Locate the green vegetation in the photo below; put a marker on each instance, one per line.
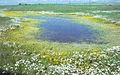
(63, 8)
(20, 52)
(110, 12)
(4, 22)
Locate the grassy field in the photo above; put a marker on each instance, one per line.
(63, 7)
(4, 22)
(110, 12)
(20, 52)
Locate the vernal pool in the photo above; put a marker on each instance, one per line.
(59, 29)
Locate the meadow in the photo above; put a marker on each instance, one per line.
(110, 12)
(21, 53)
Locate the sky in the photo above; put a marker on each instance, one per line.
(11, 2)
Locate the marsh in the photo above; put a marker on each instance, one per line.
(60, 44)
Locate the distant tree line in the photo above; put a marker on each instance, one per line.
(24, 4)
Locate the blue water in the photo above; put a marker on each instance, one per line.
(64, 30)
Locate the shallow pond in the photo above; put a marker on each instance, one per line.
(64, 30)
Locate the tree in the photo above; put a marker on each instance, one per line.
(20, 3)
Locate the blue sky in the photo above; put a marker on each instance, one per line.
(10, 2)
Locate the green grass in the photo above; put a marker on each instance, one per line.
(63, 8)
(4, 20)
(90, 9)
